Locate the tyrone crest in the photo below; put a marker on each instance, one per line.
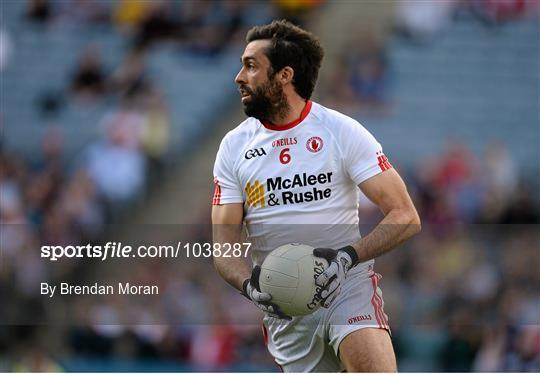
(314, 144)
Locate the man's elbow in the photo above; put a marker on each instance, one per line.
(414, 221)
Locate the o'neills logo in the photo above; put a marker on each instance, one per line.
(284, 142)
(318, 268)
(314, 144)
(355, 319)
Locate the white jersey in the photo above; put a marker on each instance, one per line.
(305, 172)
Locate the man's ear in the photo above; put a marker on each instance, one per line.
(286, 75)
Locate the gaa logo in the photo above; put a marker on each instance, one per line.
(250, 153)
(314, 144)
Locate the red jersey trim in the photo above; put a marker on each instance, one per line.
(217, 193)
(290, 125)
(265, 336)
(377, 302)
(384, 164)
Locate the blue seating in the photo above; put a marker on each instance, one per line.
(473, 83)
(196, 89)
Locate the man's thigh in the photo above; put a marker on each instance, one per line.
(368, 350)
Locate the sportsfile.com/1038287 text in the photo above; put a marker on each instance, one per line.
(119, 250)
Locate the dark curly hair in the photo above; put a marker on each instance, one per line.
(291, 46)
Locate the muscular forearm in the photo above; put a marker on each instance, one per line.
(233, 269)
(396, 227)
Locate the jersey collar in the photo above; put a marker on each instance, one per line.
(290, 125)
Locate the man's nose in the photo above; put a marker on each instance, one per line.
(240, 77)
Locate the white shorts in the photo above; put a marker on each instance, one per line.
(311, 343)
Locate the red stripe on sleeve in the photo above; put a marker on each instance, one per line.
(217, 193)
(384, 164)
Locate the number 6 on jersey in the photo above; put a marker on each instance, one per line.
(284, 156)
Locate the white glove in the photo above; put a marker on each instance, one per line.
(252, 290)
(340, 262)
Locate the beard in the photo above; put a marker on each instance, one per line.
(268, 102)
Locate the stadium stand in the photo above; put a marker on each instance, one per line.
(471, 83)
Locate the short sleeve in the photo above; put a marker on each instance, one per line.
(226, 188)
(364, 157)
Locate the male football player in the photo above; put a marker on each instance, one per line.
(295, 161)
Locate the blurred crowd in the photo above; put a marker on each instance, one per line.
(52, 197)
(459, 187)
(362, 80)
(462, 296)
(465, 299)
(465, 293)
(206, 27)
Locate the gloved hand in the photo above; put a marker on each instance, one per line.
(340, 262)
(252, 290)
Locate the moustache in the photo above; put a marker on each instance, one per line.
(245, 90)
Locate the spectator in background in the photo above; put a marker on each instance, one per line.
(361, 80)
(456, 165)
(129, 77)
(16, 233)
(458, 180)
(369, 74)
(80, 203)
(223, 22)
(11, 205)
(339, 93)
(80, 12)
(52, 152)
(213, 347)
(499, 179)
(423, 20)
(499, 170)
(459, 350)
(193, 15)
(39, 11)
(12, 175)
(490, 351)
(493, 12)
(154, 135)
(128, 14)
(125, 122)
(88, 80)
(35, 359)
(521, 208)
(296, 11)
(204, 27)
(510, 349)
(525, 355)
(115, 163)
(156, 25)
(38, 196)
